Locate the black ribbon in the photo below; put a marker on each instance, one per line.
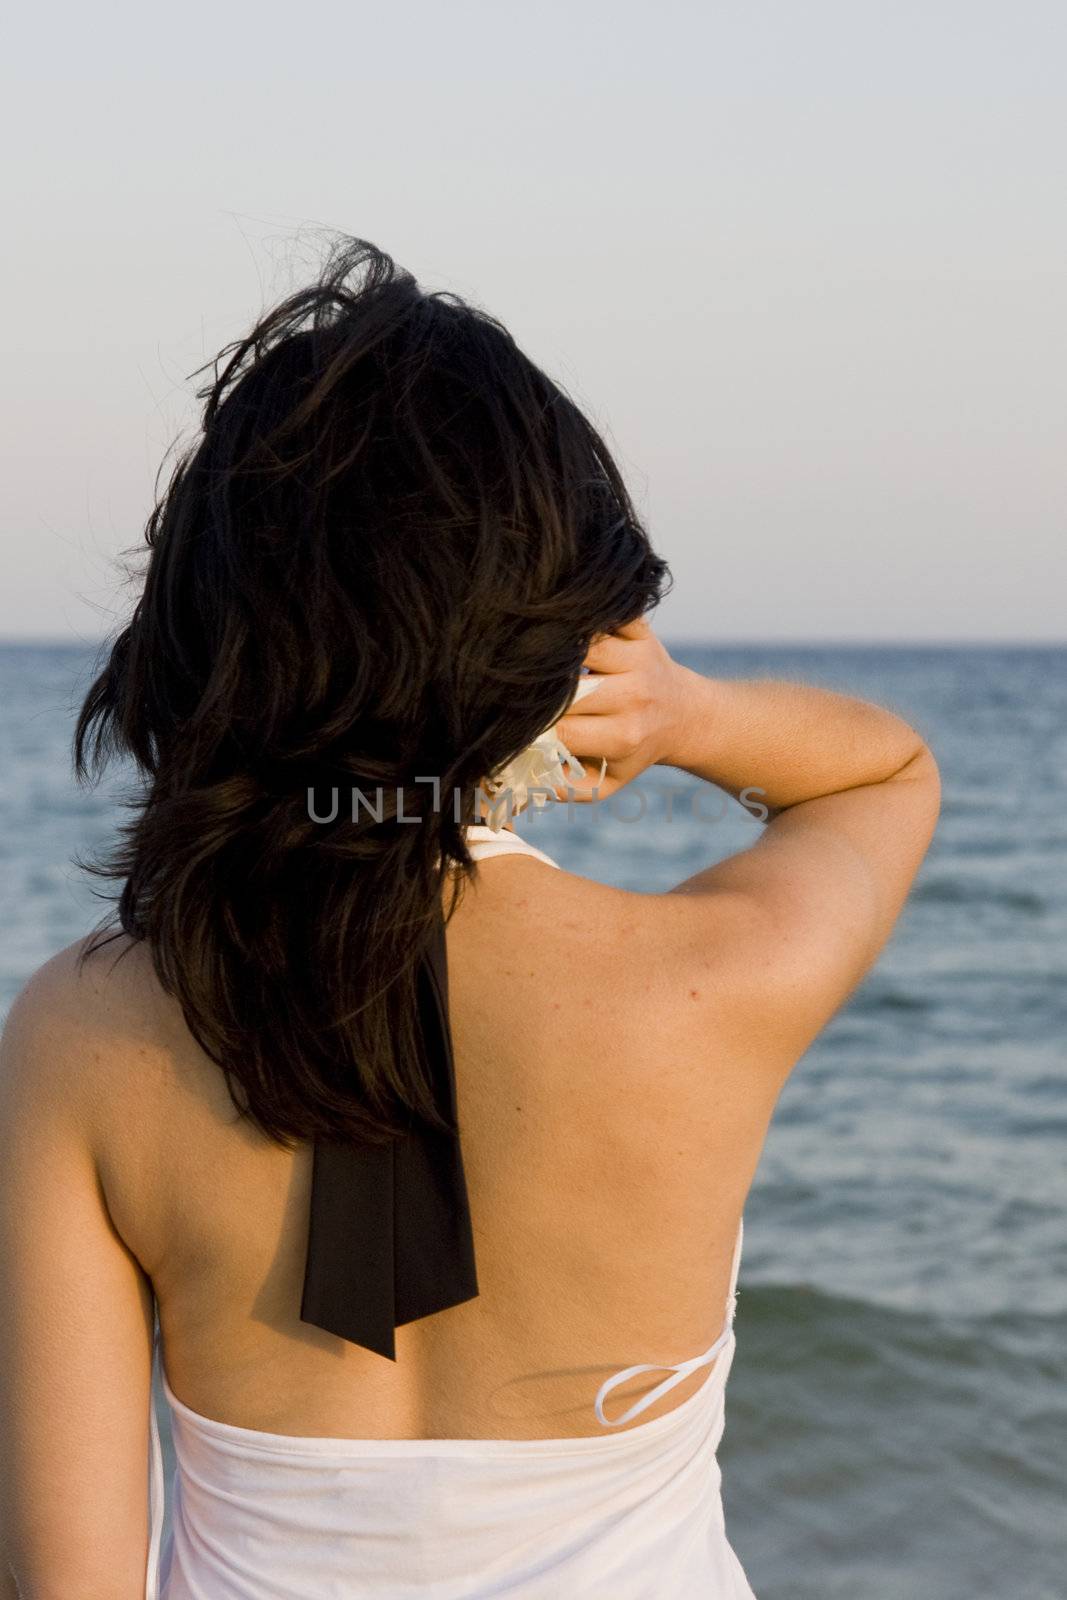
(390, 1238)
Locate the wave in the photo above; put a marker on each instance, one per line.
(968, 891)
(877, 1451)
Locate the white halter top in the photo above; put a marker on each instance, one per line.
(628, 1516)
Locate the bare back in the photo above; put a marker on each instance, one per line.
(609, 1140)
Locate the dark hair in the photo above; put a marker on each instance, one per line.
(383, 558)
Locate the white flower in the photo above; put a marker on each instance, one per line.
(542, 765)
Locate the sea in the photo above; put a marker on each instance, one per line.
(897, 1411)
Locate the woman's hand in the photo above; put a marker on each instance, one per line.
(634, 717)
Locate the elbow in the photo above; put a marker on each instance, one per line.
(921, 767)
(929, 771)
(923, 775)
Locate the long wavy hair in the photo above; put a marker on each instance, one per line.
(381, 560)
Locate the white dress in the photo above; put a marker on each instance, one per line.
(618, 1516)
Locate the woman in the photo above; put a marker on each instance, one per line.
(398, 1366)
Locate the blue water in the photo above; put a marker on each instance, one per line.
(897, 1419)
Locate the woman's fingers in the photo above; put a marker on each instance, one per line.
(607, 654)
(608, 694)
(612, 722)
(589, 737)
(639, 628)
(589, 792)
(614, 652)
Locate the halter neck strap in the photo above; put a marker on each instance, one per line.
(390, 1237)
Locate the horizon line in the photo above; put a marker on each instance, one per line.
(681, 641)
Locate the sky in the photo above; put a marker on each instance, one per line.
(804, 263)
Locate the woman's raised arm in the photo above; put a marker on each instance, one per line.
(850, 795)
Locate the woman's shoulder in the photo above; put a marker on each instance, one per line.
(79, 1024)
(98, 980)
(647, 972)
(721, 985)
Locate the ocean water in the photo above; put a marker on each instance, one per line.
(897, 1414)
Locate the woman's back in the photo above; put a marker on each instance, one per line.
(605, 1216)
(602, 1243)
